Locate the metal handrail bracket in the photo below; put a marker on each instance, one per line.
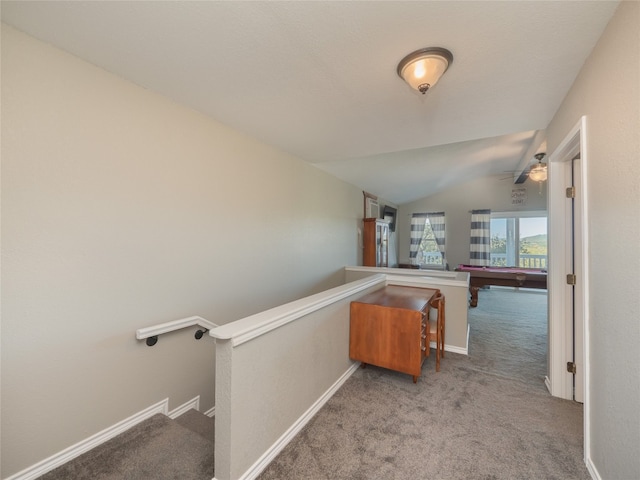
(166, 327)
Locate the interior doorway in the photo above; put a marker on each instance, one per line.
(568, 275)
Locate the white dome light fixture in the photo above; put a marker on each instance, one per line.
(539, 172)
(423, 68)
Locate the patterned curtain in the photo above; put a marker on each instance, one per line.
(418, 222)
(480, 244)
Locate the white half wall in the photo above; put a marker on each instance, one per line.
(274, 370)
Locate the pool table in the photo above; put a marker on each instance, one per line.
(502, 276)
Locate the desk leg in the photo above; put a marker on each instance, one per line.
(474, 296)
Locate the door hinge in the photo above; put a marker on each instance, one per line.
(571, 279)
(571, 367)
(571, 192)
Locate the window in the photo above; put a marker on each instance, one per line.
(427, 246)
(519, 239)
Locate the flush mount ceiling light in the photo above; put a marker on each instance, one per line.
(423, 68)
(539, 172)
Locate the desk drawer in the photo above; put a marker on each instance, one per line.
(388, 337)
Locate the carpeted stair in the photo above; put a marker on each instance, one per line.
(158, 448)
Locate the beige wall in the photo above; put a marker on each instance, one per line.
(607, 91)
(487, 192)
(122, 209)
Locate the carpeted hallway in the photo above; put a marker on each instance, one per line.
(483, 416)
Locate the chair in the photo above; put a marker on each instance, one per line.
(436, 328)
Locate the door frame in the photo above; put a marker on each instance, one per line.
(559, 381)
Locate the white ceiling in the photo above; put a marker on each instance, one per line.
(318, 79)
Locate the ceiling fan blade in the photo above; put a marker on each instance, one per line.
(522, 177)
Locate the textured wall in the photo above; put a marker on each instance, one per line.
(122, 209)
(607, 91)
(271, 382)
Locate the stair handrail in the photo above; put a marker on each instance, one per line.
(253, 326)
(151, 333)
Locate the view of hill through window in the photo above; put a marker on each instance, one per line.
(519, 242)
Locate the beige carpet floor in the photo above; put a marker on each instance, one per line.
(158, 448)
(484, 416)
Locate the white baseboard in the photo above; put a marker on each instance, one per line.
(79, 448)
(451, 348)
(99, 438)
(593, 471)
(211, 412)
(185, 407)
(193, 403)
(284, 440)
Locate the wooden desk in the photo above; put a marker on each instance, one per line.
(389, 328)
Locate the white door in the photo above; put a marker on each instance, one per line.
(568, 254)
(578, 289)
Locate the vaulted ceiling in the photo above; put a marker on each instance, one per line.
(318, 79)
